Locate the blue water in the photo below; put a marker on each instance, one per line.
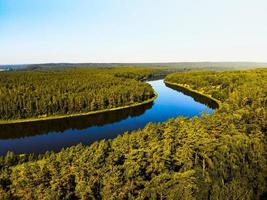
(38, 137)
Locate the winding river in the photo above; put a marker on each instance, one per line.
(42, 136)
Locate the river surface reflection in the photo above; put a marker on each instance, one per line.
(38, 137)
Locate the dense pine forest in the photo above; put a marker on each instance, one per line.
(49, 92)
(218, 156)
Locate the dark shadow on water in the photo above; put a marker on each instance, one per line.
(196, 96)
(20, 130)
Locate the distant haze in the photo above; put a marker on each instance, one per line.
(175, 65)
(117, 31)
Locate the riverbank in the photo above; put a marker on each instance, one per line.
(53, 135)
(16, 121)
(216, 101)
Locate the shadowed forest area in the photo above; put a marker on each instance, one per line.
(218, 156)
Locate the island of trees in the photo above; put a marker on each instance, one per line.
(218, 156)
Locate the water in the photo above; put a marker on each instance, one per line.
(38, 137)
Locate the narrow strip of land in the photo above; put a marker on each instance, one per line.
(15, 121)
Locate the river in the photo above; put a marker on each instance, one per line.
(42, 136)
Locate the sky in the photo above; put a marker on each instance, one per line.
(44, 31)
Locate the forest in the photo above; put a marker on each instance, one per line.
(49, 92)
(218, 156)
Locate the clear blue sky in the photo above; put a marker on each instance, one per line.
(38, 31)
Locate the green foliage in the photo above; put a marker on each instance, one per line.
(218, 156)
(41, 93)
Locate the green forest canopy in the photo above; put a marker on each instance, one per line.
(218, 156)
(42, 93)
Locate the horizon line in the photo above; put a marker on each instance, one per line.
(163, 62)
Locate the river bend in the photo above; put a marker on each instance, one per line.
(42, 136)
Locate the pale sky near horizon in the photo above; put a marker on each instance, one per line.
(42, 31)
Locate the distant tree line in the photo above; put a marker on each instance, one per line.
(40, 93)
(218, 156)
